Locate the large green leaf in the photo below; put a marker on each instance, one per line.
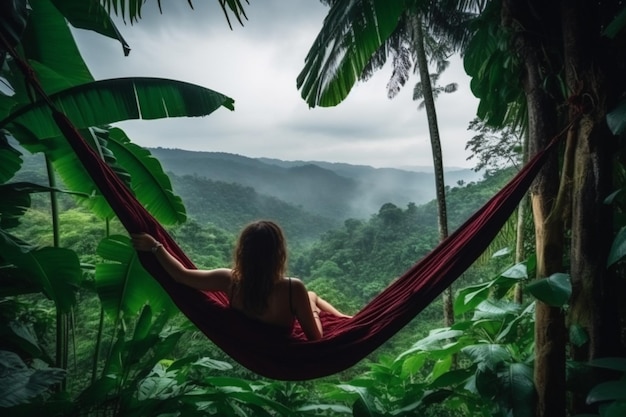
(123, 285)
(614, 363)
(149, 182)
(616, 119)
(488, 355)
(352, 32)
(57, 270)
(608, 391)
(618, 248)
(554, 290)
(494, 71)
(519, 388)
(21, 339)
(135, 165)
(19, 384)
(47, 26)
(496, 309)
(10, 159)
(16, 200)
(617, 24)
(13, 19)
(108, 101)
(90, 15)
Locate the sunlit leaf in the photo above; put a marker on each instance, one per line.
(469, 297)
(518, 271)
(495, 309)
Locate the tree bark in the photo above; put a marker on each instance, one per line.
(520, 235)
(435, 142)
(594, 304)
(531, 23)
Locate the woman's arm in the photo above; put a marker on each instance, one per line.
(306, 311)
(326, 306)
(207, 280)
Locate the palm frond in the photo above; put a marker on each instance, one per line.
(351, 34)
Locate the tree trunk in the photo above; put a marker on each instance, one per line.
(594, 304)
(435, 142)
(531, 22)
(520, 235)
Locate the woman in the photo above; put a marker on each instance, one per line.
(256, 285)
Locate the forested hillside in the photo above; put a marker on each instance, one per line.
(363, 257)
(230, 206)
(333, 190)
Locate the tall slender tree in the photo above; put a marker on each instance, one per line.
(354, 36)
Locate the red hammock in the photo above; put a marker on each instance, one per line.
(346, 341)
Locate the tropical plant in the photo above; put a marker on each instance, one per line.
(494, 348)
(62, 80)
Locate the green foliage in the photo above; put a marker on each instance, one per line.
(554, 290)
(330, 72)
(616, 119)
(123, 286)
(609, 395)
(19, 384)
(55, 271)
(494, 71)
(218, 204)
(494, 353)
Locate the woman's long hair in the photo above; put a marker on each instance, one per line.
(260, 260)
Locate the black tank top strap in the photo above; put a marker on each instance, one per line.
(290, 302)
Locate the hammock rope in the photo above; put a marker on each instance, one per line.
(346, 341)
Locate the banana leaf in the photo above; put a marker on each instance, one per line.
(123, 286)
(10, 159)
(108, 101)
(56, 270)
(92, 16)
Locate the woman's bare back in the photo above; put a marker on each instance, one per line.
(280, 309)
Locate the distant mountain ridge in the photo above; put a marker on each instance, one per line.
(334, 190)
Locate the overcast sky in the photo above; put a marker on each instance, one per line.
(257, 65)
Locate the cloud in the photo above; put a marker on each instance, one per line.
(257, 65)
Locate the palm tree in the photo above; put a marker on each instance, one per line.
(356, 40)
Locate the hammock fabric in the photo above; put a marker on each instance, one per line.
(261, 348)
(346, 341)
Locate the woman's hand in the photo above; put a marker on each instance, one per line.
(143, 242)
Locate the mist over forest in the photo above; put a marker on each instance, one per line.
(333, 190)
